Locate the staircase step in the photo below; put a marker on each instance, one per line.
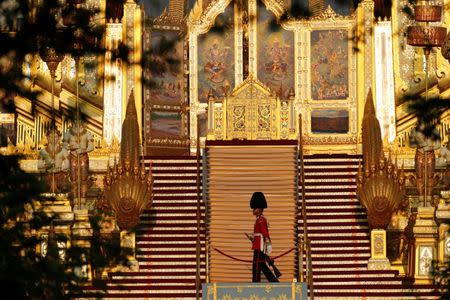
(163, 199)
(174, 216)
(340, 209)
(331, 196)
(190, 251)
(355, 273)
(370, 281)
(150, 273)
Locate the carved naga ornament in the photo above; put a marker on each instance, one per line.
(381, 187)
(128, 187)
(381, 190)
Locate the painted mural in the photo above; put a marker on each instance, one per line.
(166, 124)
(329, 121)
(329, 64)
(275, 55)
(216, 58)
(167, 86)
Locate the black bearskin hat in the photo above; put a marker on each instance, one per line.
(258, 201)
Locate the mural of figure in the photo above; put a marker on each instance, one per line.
(79, 142)
(216, 62)
(277, 65)
(54, 162)
(425, 160)
(274, 54)
(329, 65)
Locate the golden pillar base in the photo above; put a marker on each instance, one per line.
(81, 229)
(426, 234)
(128, 247)
(397, 227)
(443, 218)
(81, 237)
(378, 259)
(56, 206)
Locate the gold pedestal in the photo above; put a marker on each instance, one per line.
(128, 246)
(425, 233)
(397, 226)
(81, 237)
(378, 259)
(56, 206)
(443, 218)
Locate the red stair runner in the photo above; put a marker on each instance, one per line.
(166, 238)
(340, 236)
(337, 226)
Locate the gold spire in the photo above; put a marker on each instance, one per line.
(129, 147)
(371, 134)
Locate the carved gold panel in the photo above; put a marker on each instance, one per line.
(251, 112)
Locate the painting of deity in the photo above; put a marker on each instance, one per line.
(275, 55)
(216, 58)
(329, 121)
(167, 79)
(166, 124)
(425, 260)
(329, 64)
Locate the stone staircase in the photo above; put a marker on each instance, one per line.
(337, 227)
(166, 238)
(340, 236)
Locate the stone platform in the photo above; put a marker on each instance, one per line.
(255, 291)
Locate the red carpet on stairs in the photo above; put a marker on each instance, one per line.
(166, 237)
(340, 236)
(337, 226)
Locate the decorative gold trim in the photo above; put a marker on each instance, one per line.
(252, 80)
(329, 14)
(252, 37)
(277, 7)
(238, 43)
(199, 23)
(305, 104)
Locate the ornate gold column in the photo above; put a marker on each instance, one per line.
(112, 103)
(365, 54)
(443, 219)
(132, 37)
(81, 237)
(426, 234)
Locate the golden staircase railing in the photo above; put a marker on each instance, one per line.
(304, 242)
(198, 283)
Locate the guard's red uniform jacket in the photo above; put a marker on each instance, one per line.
(260, 232)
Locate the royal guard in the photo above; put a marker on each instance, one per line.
(261, 243)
